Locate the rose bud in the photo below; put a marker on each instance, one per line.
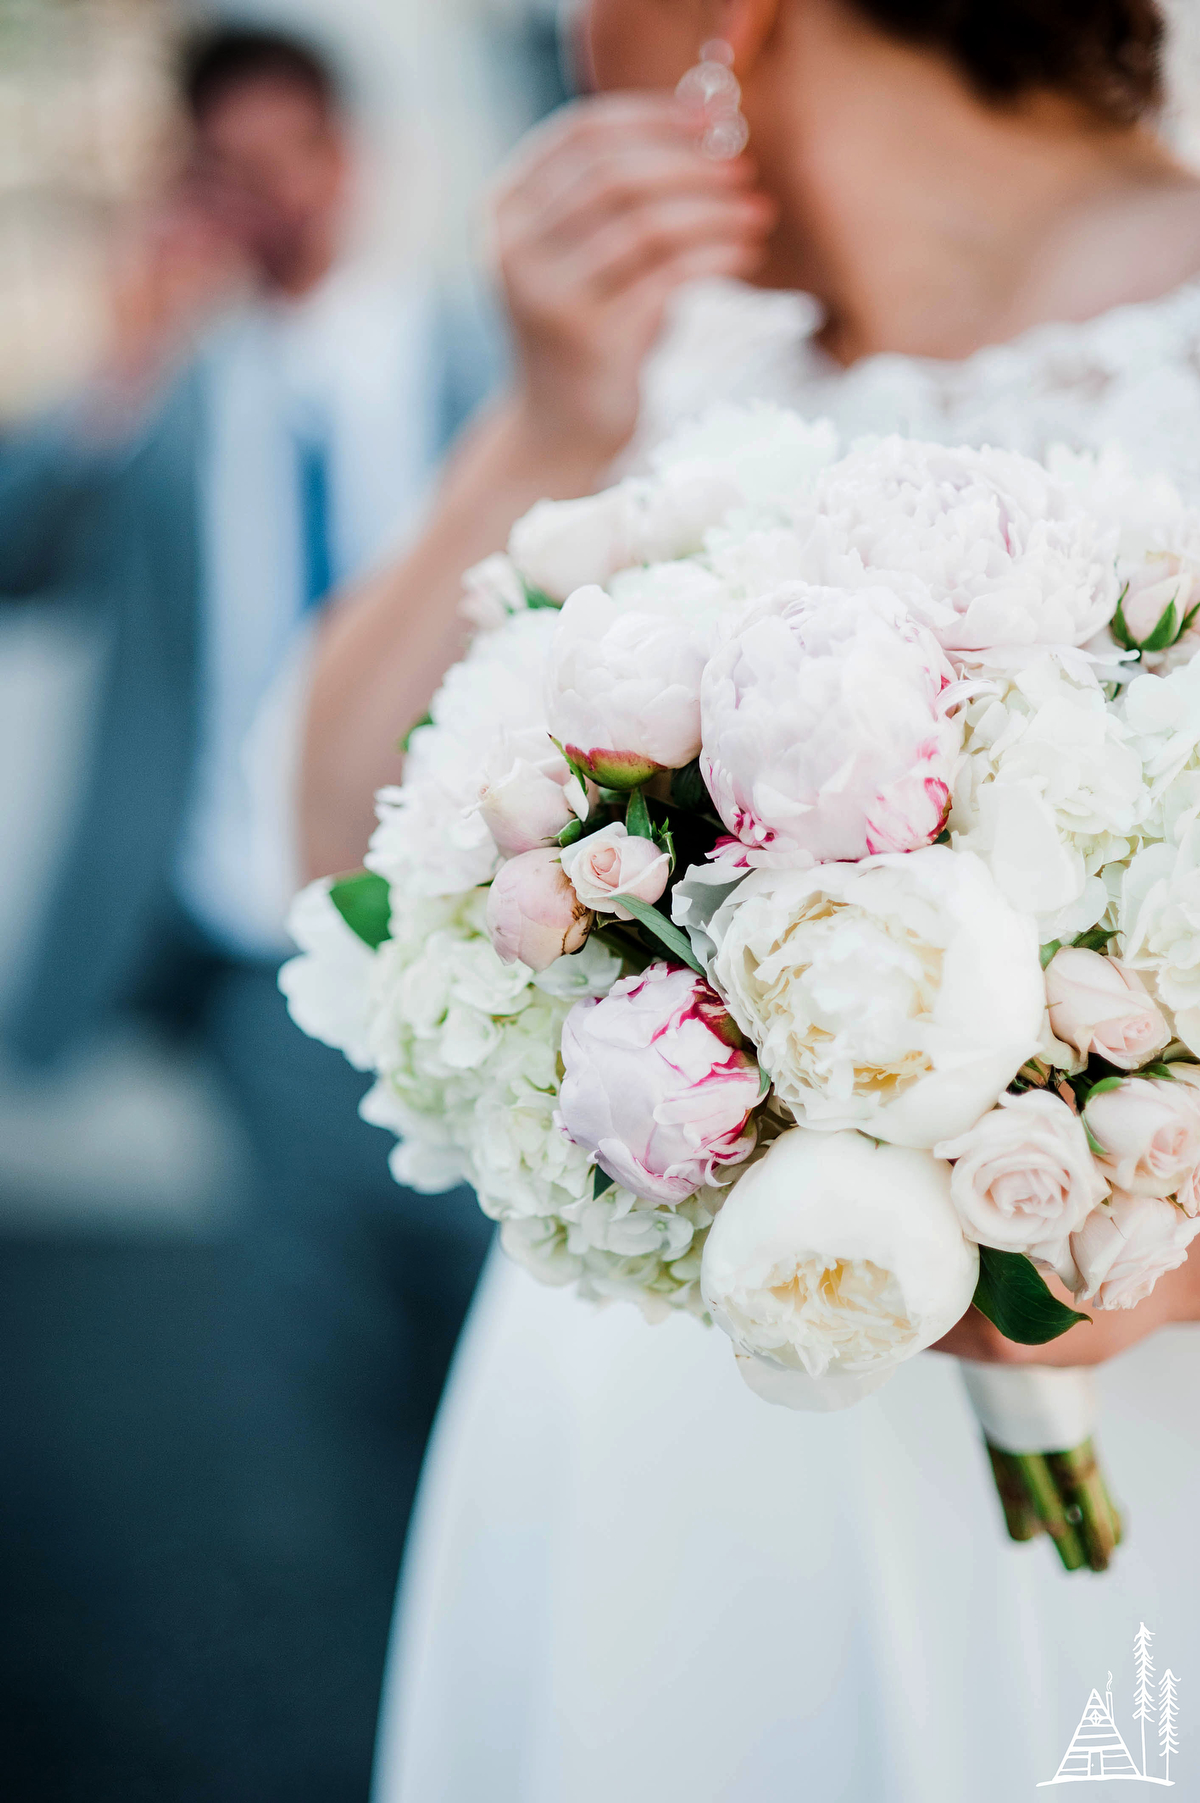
(1162, 582)
(1024, 1176)
(836, 1257)
(623, 690)
(1150, 1131)
(1099, 1005)
(533, 913)
(612, 863)
(1123, 1249)
(529, 793)
(657, 1086)
(824, 731)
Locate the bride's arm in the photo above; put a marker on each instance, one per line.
(610, 208)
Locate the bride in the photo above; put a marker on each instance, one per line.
(626, 1578)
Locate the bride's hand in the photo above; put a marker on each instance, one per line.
(609, 208)
(1175, 1297)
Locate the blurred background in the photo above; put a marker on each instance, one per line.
(211, 1416)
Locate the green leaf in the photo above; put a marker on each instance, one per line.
(664, 930)
(364, 904)
(688, 790)
(1048, 951)
(537, 597)
(638, 823)
(1166, 631)
(571, 831)
(601, 1181)
(1013, 1295)
(1163, 1072)
(944, 837)
(406, 741)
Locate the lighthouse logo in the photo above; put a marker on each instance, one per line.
(1098, 1752)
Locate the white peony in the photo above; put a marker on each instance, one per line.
(899, 995)
(823, 727)
(328, 987)
(431, 838)
(996, 551)
(834, 1256)
(1050, 789)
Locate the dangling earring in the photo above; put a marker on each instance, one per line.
(712, 86)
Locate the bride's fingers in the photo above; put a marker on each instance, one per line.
(620, 252)
(593, 127)
(589, 192)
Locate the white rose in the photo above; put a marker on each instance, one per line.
(1097, 1005)
(834, 1256)
(1024, 1176)
(622, 690)
(899, 995)
(612, 863)
(1150, 1131)
(1123, 1249)
(997, 551)
(328, 988)
(824, 733)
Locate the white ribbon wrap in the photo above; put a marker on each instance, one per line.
(1032, 1408)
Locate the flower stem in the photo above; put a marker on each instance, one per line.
(1062, 1494)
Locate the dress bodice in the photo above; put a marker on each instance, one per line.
(1131, 376)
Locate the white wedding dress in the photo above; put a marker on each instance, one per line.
(631, 1581)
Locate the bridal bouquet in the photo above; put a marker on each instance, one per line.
(791, 914)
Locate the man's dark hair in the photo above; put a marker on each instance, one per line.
(224, 57)
(1105, 53)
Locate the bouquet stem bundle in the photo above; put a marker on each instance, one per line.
(1062, 1494)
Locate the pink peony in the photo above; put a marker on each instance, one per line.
(533, 913)
(825, 732)
(657, 1086)
(623, 690)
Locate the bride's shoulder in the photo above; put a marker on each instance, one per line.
(1135, 247)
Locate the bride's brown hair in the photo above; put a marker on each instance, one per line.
(1105, 53)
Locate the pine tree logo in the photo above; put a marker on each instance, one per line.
(1098, 1752)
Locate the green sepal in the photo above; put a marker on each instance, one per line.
(601, 1181)
(1014, 1296)
(425, 720)
(664, 930)
(664, 838)
(1094, 1145)
(537, 597)
(1166, 631)
(1048, 950)
(1120, 630)
(1094, 940)
(1104, 1085)
(364, 903)
(577, 770)
(638, 823)
(571, 831)
(1162, 1072)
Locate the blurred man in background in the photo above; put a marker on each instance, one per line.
(262, 431)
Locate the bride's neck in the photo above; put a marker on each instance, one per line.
(928, 222)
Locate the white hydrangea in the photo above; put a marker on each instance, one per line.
(329, 986)
(1161, 714)
(1158, 912)
(431, 839)
(1049, 791)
